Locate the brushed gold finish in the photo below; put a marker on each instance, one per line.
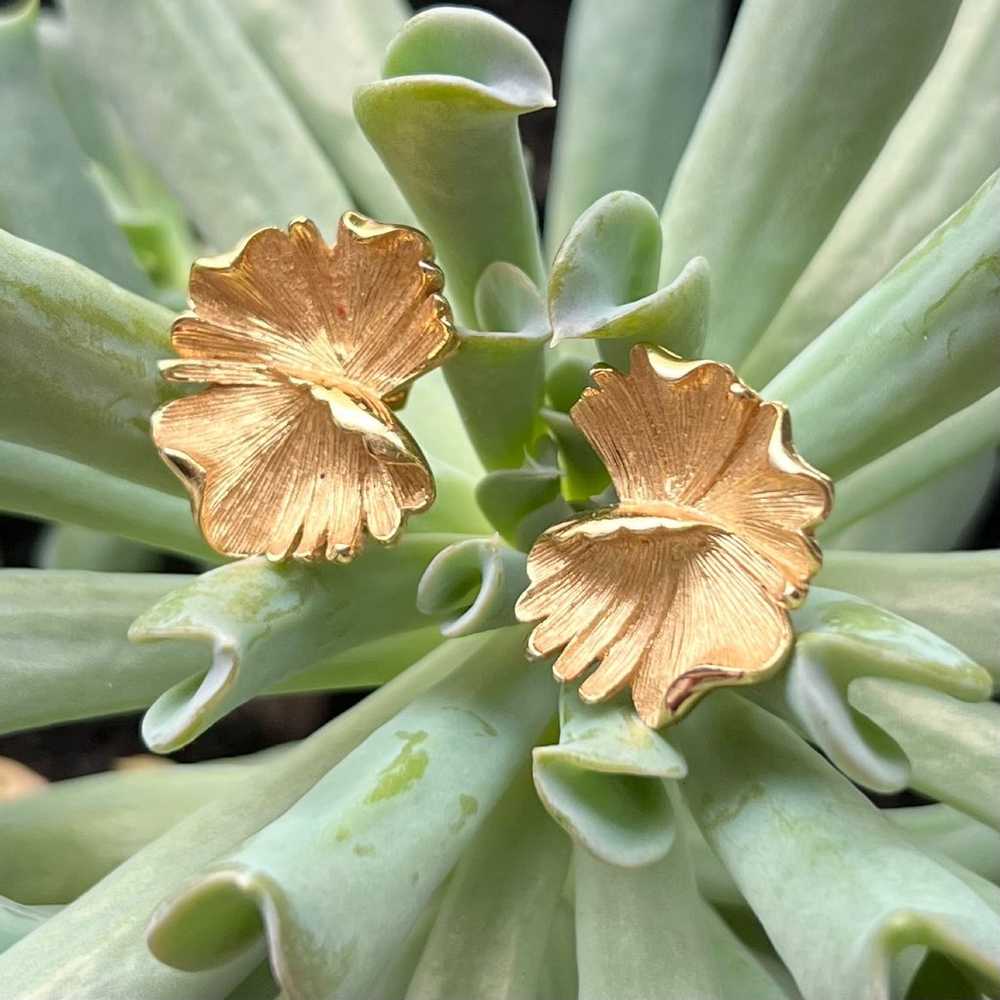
(684, 585)
(294, 450)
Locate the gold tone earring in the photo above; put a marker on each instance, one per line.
(686, 583)
(293, 449)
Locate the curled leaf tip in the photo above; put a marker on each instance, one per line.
(294, 449)
(477, 49)
(604, 284)
(474, 583)
(686, 583)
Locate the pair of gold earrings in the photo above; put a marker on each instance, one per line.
(295, 451)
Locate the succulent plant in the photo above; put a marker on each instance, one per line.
(823, 217)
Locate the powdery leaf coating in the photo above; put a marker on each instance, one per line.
(686, 583)
(294, 450)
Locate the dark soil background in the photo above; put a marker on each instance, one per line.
(95, 745)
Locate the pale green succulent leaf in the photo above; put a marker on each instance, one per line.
(448, 755)
(18, 921)
(584, 474)
(263, 622)
(97, 947)
(956, 440)
(953, 747)
(63, 648)
(444, 121)
(657, 60)
(46, 194)
(941, 150)
(604, 284)
(394, 980)
(59, 842)
(68, 546)
(37, 483)
(840, 638)
(604, 781)
(949, 593)
(943, 830)
(245, 159)
(913, 522)
(646, 933)
(497, 377)
(565, 381)
(65, 652)
(321, 53)
(78, 376)
(784, 140)
(783, 821)
(259, 985)
(559, 977)
(923, 343)
(474, 584)
(432, 418)
(490, 936)
(136, 197)
(522, 503)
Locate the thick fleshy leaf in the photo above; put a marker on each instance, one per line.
(394, 980)
(783, 141)
(68, 546)
(913, 523)
(259, 985)
(840, 638)
(448, 757)
(321, 53)
(604, 278)
(245, 160)
(784, 822)
(38, 483)
(559, 973)
(953, 747)
(957, 439)
(669, 51)
(952, 593)
(604, 781)
(920, 346)
(940, 829)
(78, 371)
(95, 949)
(522, 503)
(58, 843)
(264, 622)
(431, 416)
(498, 377)
(444, 121)
(65, 652)
(646, 934)
(474, 583)
(46, 195)
(490, 936)
(18, 921)
(584, 474)
(939, 153)
(150, 217)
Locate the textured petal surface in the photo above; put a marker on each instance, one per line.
(689, 434)
(672, 608)
(686, 583)
(273, 474)
(294, 450)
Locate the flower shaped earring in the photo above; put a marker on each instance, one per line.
(685, 584)
(294, 450)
